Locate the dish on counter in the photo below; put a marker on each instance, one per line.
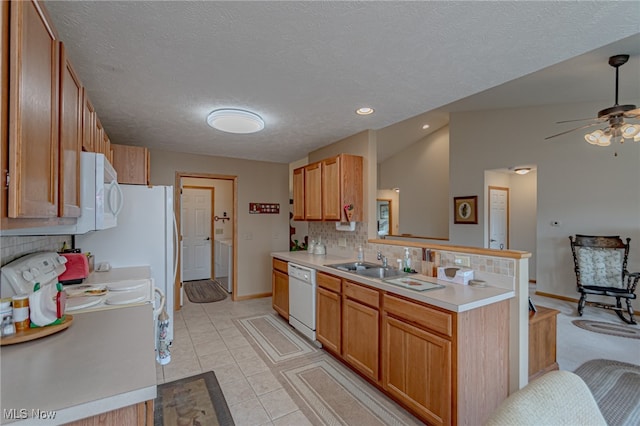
(86, 290)
(413, 283)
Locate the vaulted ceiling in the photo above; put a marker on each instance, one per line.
(154, 70)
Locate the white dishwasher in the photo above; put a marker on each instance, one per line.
(302, 300)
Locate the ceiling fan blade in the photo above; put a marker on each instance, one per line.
(579, 119)
(572, 130)
(633, 113)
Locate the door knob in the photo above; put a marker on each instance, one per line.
(208, 238)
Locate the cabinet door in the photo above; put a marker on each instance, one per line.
(298, 194)
(280, 293)
(88, 123)
(417, 369)
(71, 109)
(331, 189)
(313, 191)
(98, 136)
(33, 127)
(328, 314)
(4, 105)
(131, 164)
(360, 337)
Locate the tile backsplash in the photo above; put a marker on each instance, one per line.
(15, 247)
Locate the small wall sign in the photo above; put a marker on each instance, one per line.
(264, 208)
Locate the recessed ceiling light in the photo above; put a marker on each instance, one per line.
(522, 170)
(425, 127)
(235, 121)
(364, 111)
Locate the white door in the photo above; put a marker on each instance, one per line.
(498, 218)
(196, 239)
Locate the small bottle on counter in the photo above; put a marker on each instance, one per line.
(360, 254)
(6, 317)
(21, 312)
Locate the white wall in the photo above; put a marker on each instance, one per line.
(523, 211)
(258, 234)
(587, 188)
(421, 171)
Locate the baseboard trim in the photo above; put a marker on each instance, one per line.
(252, 296)
(555, 296)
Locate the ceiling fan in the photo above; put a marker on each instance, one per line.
(613, 117)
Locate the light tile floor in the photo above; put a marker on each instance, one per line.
(205, 338)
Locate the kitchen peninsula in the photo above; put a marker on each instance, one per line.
(103, 363)
(441, 353)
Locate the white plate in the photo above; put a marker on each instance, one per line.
(75, 303)
(125, 298)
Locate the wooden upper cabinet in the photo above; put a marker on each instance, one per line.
(313, 191)
(33, 115)
(4, 105)
(342, 186)
(88, 123)
(298, 194)
(71, 109)
(98, 136)
(131, 163)
(106, 147)
(322, 189)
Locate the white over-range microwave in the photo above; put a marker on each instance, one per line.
(101, 200)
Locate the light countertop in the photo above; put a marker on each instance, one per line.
(104, 361)
(453, 297)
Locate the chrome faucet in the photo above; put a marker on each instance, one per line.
(382, 258)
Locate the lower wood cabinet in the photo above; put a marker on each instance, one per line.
(280, 288)
(361, 328)
(328, 319)
(417, 369)
(139, 415)
(447, 368)
(542, 342)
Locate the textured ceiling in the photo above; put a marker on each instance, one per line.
(154, 70)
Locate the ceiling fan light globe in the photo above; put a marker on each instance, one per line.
(604, 139)
(589, 137)
(630, 130)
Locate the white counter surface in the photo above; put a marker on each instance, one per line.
(115, 275)
(104, 361)
(453, 297)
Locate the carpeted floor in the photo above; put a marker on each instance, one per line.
(204, 291)
(195, 400)
(616, 388)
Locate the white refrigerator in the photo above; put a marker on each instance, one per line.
(145, 235)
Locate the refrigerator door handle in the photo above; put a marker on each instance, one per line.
(176, 251)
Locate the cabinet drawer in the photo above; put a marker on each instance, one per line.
(280, 265)
(424, 316)
(363, 294)
(329, 282)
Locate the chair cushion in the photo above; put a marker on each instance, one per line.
(600, 267)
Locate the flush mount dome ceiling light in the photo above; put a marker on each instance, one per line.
(522, 170)
(235, 121)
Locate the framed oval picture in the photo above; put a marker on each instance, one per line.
(465, 209)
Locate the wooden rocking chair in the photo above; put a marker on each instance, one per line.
(601, 269)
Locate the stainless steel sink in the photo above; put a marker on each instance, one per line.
(382, 273)
(354, 266)
(366, 269)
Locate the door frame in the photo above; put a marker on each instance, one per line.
(211, 225)
(178, 212)
(508, 226)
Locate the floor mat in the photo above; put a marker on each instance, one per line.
(204, 291)
(614, 386)
(620, 330)
(195, 400)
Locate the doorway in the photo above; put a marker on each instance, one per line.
(384, 217)
(197, 205)
(498, 218)
(221, 223)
